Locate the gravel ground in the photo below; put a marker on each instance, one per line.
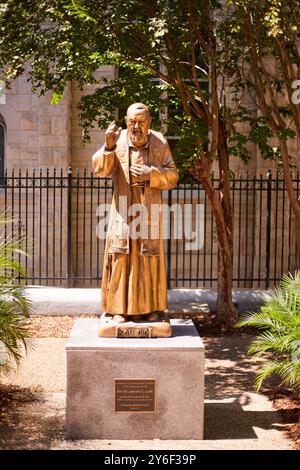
(32, 400)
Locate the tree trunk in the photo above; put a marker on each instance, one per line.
(226, 312)
(297, 222)
(225, 258)
(292, 195)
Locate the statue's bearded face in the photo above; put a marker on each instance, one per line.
(138, 125)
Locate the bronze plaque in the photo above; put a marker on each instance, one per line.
(133, 332)
(135, 395)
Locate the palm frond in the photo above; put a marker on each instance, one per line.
(288, 371)
(278, 322)
(15, 337)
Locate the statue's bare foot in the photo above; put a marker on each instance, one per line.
(135, 317)
(119, 318)
(107, 317)
(152, 317)
(163, 316)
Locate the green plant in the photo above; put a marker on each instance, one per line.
(279, 320)
(14, 307)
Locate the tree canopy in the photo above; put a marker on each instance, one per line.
(170, 55)
(166, 54)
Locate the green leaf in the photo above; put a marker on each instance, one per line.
(286, 134)
(56, 98)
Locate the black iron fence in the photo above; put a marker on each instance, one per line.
(56, 212)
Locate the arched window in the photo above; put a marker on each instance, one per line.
(2, 148)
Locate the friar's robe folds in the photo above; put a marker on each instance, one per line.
(134, 274)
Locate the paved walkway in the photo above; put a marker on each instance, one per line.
(235, 417)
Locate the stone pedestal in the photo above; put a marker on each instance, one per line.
(134, 388)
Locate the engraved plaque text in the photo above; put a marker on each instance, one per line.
(135, 395)
(133, 332)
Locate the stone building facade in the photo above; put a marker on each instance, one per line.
(44, 135)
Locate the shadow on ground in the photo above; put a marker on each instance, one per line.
(29, 420)
(229, 371)
(230, 421)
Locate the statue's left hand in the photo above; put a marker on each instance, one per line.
(141, 171)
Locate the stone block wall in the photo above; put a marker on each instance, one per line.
(38, 133)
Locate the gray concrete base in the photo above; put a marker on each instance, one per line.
(78, 301)
(93, 364)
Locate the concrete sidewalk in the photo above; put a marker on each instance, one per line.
(235, 417)
(78, 301)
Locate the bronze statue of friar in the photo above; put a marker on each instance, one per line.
(134, 287)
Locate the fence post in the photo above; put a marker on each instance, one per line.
(69, 231)
(169, 243)
(268, 229)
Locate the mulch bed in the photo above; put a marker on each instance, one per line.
(289, 407)
(53, 327)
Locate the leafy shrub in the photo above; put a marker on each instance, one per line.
(14, 307)
(279, 322)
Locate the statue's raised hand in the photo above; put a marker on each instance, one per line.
(112, 135)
